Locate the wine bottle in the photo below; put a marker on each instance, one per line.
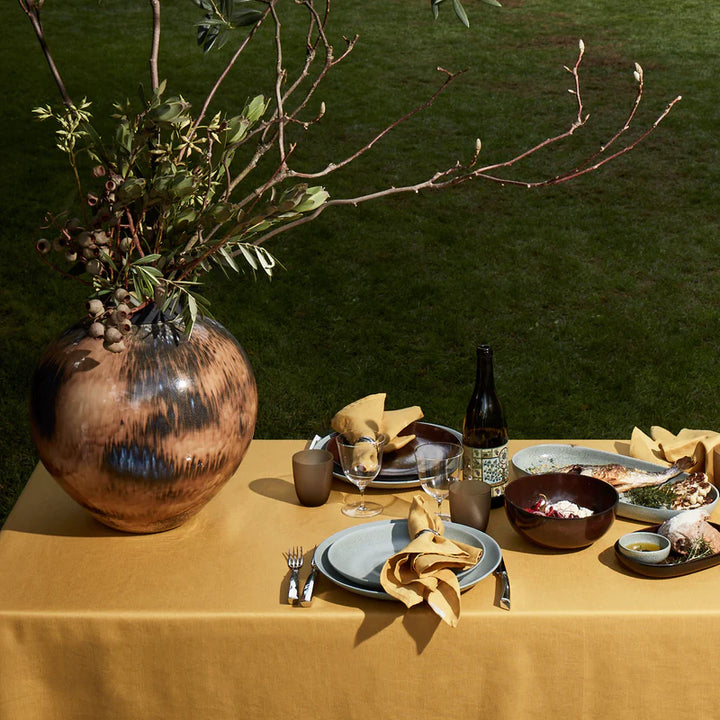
(485, 436)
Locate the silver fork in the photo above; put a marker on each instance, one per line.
(294, 561)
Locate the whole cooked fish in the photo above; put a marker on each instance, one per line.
(625, 478)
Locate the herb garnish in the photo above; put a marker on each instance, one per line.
(699, 549)
(656, 496)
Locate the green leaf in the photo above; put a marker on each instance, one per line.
(255, 109)
(229, 259)
(248, 256)
(267, 261)
(494, 3)
(147, 259)
(245, 17)
(460, 12)
(204, 5)
(313, 198)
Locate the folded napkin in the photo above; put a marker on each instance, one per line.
(665, 448)
(423, 571)
(361, 418)
(367, 417)
(394, 422)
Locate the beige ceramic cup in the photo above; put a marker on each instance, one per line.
(470, 503)
(312, 473)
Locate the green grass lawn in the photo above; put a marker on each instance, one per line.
(598, 295)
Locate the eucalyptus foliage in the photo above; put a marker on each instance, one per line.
(163, 204)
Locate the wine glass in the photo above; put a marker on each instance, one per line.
(438, 466)
(361, 461)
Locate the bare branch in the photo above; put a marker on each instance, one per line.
(459, 174)
(32, 10)
(155, 48)
(332, 167)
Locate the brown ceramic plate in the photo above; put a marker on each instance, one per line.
(401, 463)
(672, 567)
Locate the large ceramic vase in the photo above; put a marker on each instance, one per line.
(145, 437)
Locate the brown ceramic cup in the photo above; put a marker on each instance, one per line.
(312, 473)
(470, 503)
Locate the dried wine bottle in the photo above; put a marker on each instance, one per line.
(485, 436)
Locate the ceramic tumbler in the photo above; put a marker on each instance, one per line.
(470, 503)
(312, 474)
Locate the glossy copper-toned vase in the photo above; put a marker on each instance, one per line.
(146, 437)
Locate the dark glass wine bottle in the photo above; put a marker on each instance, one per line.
(485, 436)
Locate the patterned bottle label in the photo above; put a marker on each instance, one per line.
(487, 464)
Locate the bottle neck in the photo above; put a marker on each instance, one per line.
(484, 378)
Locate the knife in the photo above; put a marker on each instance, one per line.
(307, 592)
(501, 572)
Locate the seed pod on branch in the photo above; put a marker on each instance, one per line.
(95, 307)
(96, 330)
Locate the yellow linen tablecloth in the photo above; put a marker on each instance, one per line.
(193, 623)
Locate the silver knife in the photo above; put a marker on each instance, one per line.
(307, 592)
(501, 572)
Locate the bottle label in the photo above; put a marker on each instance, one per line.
(489, 465)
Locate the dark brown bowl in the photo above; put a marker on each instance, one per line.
(561, 533)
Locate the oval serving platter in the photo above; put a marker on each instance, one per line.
(538, 459)
(671, 567)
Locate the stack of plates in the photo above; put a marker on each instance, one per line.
(399, 469)
(353, 558)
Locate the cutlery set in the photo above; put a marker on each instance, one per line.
(295, 562)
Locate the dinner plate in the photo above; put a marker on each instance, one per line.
(488, 562)
(360, 555)
(398, 470)
(670, 567)
(538, 459)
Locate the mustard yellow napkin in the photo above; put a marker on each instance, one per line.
(662, 447)
(367, 417)
(423, 571)
(361, 418)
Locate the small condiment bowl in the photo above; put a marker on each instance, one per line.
(646, 547)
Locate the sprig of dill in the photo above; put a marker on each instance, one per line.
(655, 496)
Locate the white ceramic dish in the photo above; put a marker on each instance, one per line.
(398, 538)
(538, 459)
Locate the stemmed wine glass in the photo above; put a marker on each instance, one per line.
(361, 461)
(438, 466)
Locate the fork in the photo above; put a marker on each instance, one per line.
(294, 561)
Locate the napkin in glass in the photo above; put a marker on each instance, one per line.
(367, 417)
(424, 570)
(665, 448)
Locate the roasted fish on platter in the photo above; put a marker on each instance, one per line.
(624, 478)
